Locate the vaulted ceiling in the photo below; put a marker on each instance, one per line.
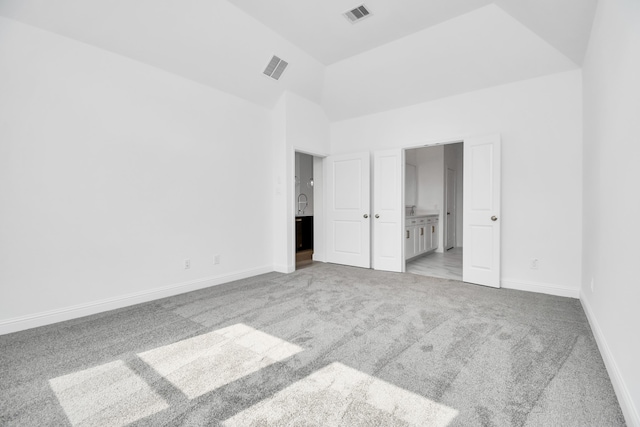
(408, 51)
(320, 29)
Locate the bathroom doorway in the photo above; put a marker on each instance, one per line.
(433, 207)
(304, 208)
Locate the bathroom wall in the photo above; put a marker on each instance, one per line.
(430, 163)
(431, 166)
(453, 159)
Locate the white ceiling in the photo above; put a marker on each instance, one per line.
(319, 28)
(210, 42)
(225, 44)
(484, 48)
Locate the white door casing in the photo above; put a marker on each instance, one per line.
(388, 210)
(348, 234)
(481, 218)
(450, 206)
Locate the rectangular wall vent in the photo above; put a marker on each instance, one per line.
(357, 14)
(275, 68)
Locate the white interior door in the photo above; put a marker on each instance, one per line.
(450, 206)
(481, 217)
(387, 210)
(347, 207)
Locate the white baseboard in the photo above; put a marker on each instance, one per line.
(541, 288)
(72, 312)
(281, 268)
(622, 391)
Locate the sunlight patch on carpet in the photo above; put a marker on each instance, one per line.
(206, 362)
(340, 395)
(106, 395)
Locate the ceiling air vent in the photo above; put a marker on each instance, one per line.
(275, 68)
(357, 14)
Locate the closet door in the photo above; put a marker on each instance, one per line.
(388, 210)
(348, 209)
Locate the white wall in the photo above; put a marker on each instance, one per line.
(611, 188)
(113, 172)
(410, 156)
(541, 126)
(300, 125)
(281, 156)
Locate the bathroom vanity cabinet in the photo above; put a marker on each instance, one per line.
(304, 233)
(421, 235)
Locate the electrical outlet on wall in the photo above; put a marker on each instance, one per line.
(534, 264)
(187, 264)
(216, 259)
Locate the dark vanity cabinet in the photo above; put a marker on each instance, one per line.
(304, 233)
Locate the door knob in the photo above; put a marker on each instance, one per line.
(494, 218)
(377, 216)
(366, 215)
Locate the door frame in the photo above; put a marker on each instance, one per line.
(432, 143)
(450, 220)
(318, 206)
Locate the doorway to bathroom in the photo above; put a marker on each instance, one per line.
(304, 208)
(434, 213)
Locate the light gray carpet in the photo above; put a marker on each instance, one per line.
(326, 345)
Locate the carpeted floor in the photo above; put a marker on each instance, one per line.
(327, 345)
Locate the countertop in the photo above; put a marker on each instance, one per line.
(424, 213)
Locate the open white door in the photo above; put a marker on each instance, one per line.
(481, 217)
(387, 210)
(347, 206)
